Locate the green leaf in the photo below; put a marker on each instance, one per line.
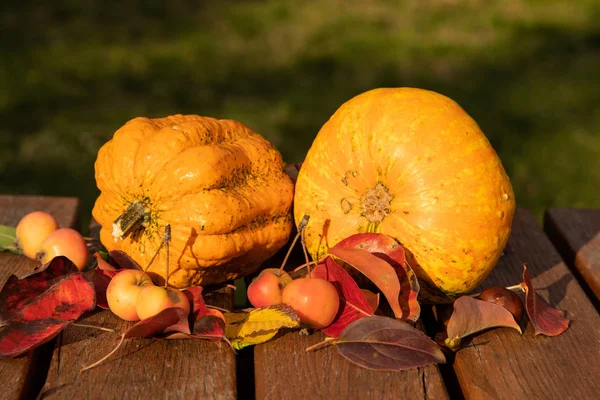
(8, 236)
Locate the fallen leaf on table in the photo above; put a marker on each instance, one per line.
(120, 260)
(471, 316)
(372, 299)
(101, 276)
(387, 344)
(35, 309)
(382, 259)
(353, 303)
(169, 320)
(206, 322)
(8, 236)
(546, 320)
(258, 325)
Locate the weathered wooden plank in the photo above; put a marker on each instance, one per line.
(284, 370)
(23, 377)
(576, 235)
(141, 368)
(501, 364)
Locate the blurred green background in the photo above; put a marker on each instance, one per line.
(71, 74)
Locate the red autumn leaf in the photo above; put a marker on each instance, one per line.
(353, 304)
(372, 298)
(546, 320)
(387, 344)
(120, 260)
(172, 319)
(206, 322)
(382, 259)
(35, 309)
(471, 316)
(101, 276)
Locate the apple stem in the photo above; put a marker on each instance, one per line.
(93, 327)
(306, 265)
(305, 253)
(100, 361)
(166, 240)
(301, 227)
(152, 259)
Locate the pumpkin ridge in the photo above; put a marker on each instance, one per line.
(245, 199)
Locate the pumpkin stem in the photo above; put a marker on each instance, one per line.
(301, 226)
(376, 205)
(134, 217)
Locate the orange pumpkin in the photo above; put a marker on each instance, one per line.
(220, 186)
(412, 164)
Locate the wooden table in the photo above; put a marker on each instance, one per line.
(498, 364)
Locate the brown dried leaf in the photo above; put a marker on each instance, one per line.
(546, 320)
(387, 344)
(471, 316)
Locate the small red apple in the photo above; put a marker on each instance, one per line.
(32, 230)
(65, 242)
(315, 301)
(265, 290)
(123, 291)
(154, 299)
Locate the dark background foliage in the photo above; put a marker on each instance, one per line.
(73, 72)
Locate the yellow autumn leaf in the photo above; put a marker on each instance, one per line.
(258, 325)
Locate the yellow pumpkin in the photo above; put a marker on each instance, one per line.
(411, 164)
(220, 186)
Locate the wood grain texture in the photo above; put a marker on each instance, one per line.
(141, 368)
(501, 364)
(284, 370)
(576, 235)
(21, 377)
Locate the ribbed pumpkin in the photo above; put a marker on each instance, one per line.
(411, 164)
(220, 186)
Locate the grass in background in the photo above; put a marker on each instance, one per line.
(71, 74)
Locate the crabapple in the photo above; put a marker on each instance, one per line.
(315, 301)
(123, 291)
(32, 230)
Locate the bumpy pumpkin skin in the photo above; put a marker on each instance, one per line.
(221, 187)
(412, 164)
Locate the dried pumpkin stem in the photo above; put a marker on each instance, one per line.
(133, 218)
(301, 226)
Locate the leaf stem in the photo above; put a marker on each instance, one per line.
(92, 326)
(217, 308)
(105, 357)
(321, 345)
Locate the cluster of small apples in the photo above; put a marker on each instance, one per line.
(315, 301)
(40, 238)
(132, 296)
